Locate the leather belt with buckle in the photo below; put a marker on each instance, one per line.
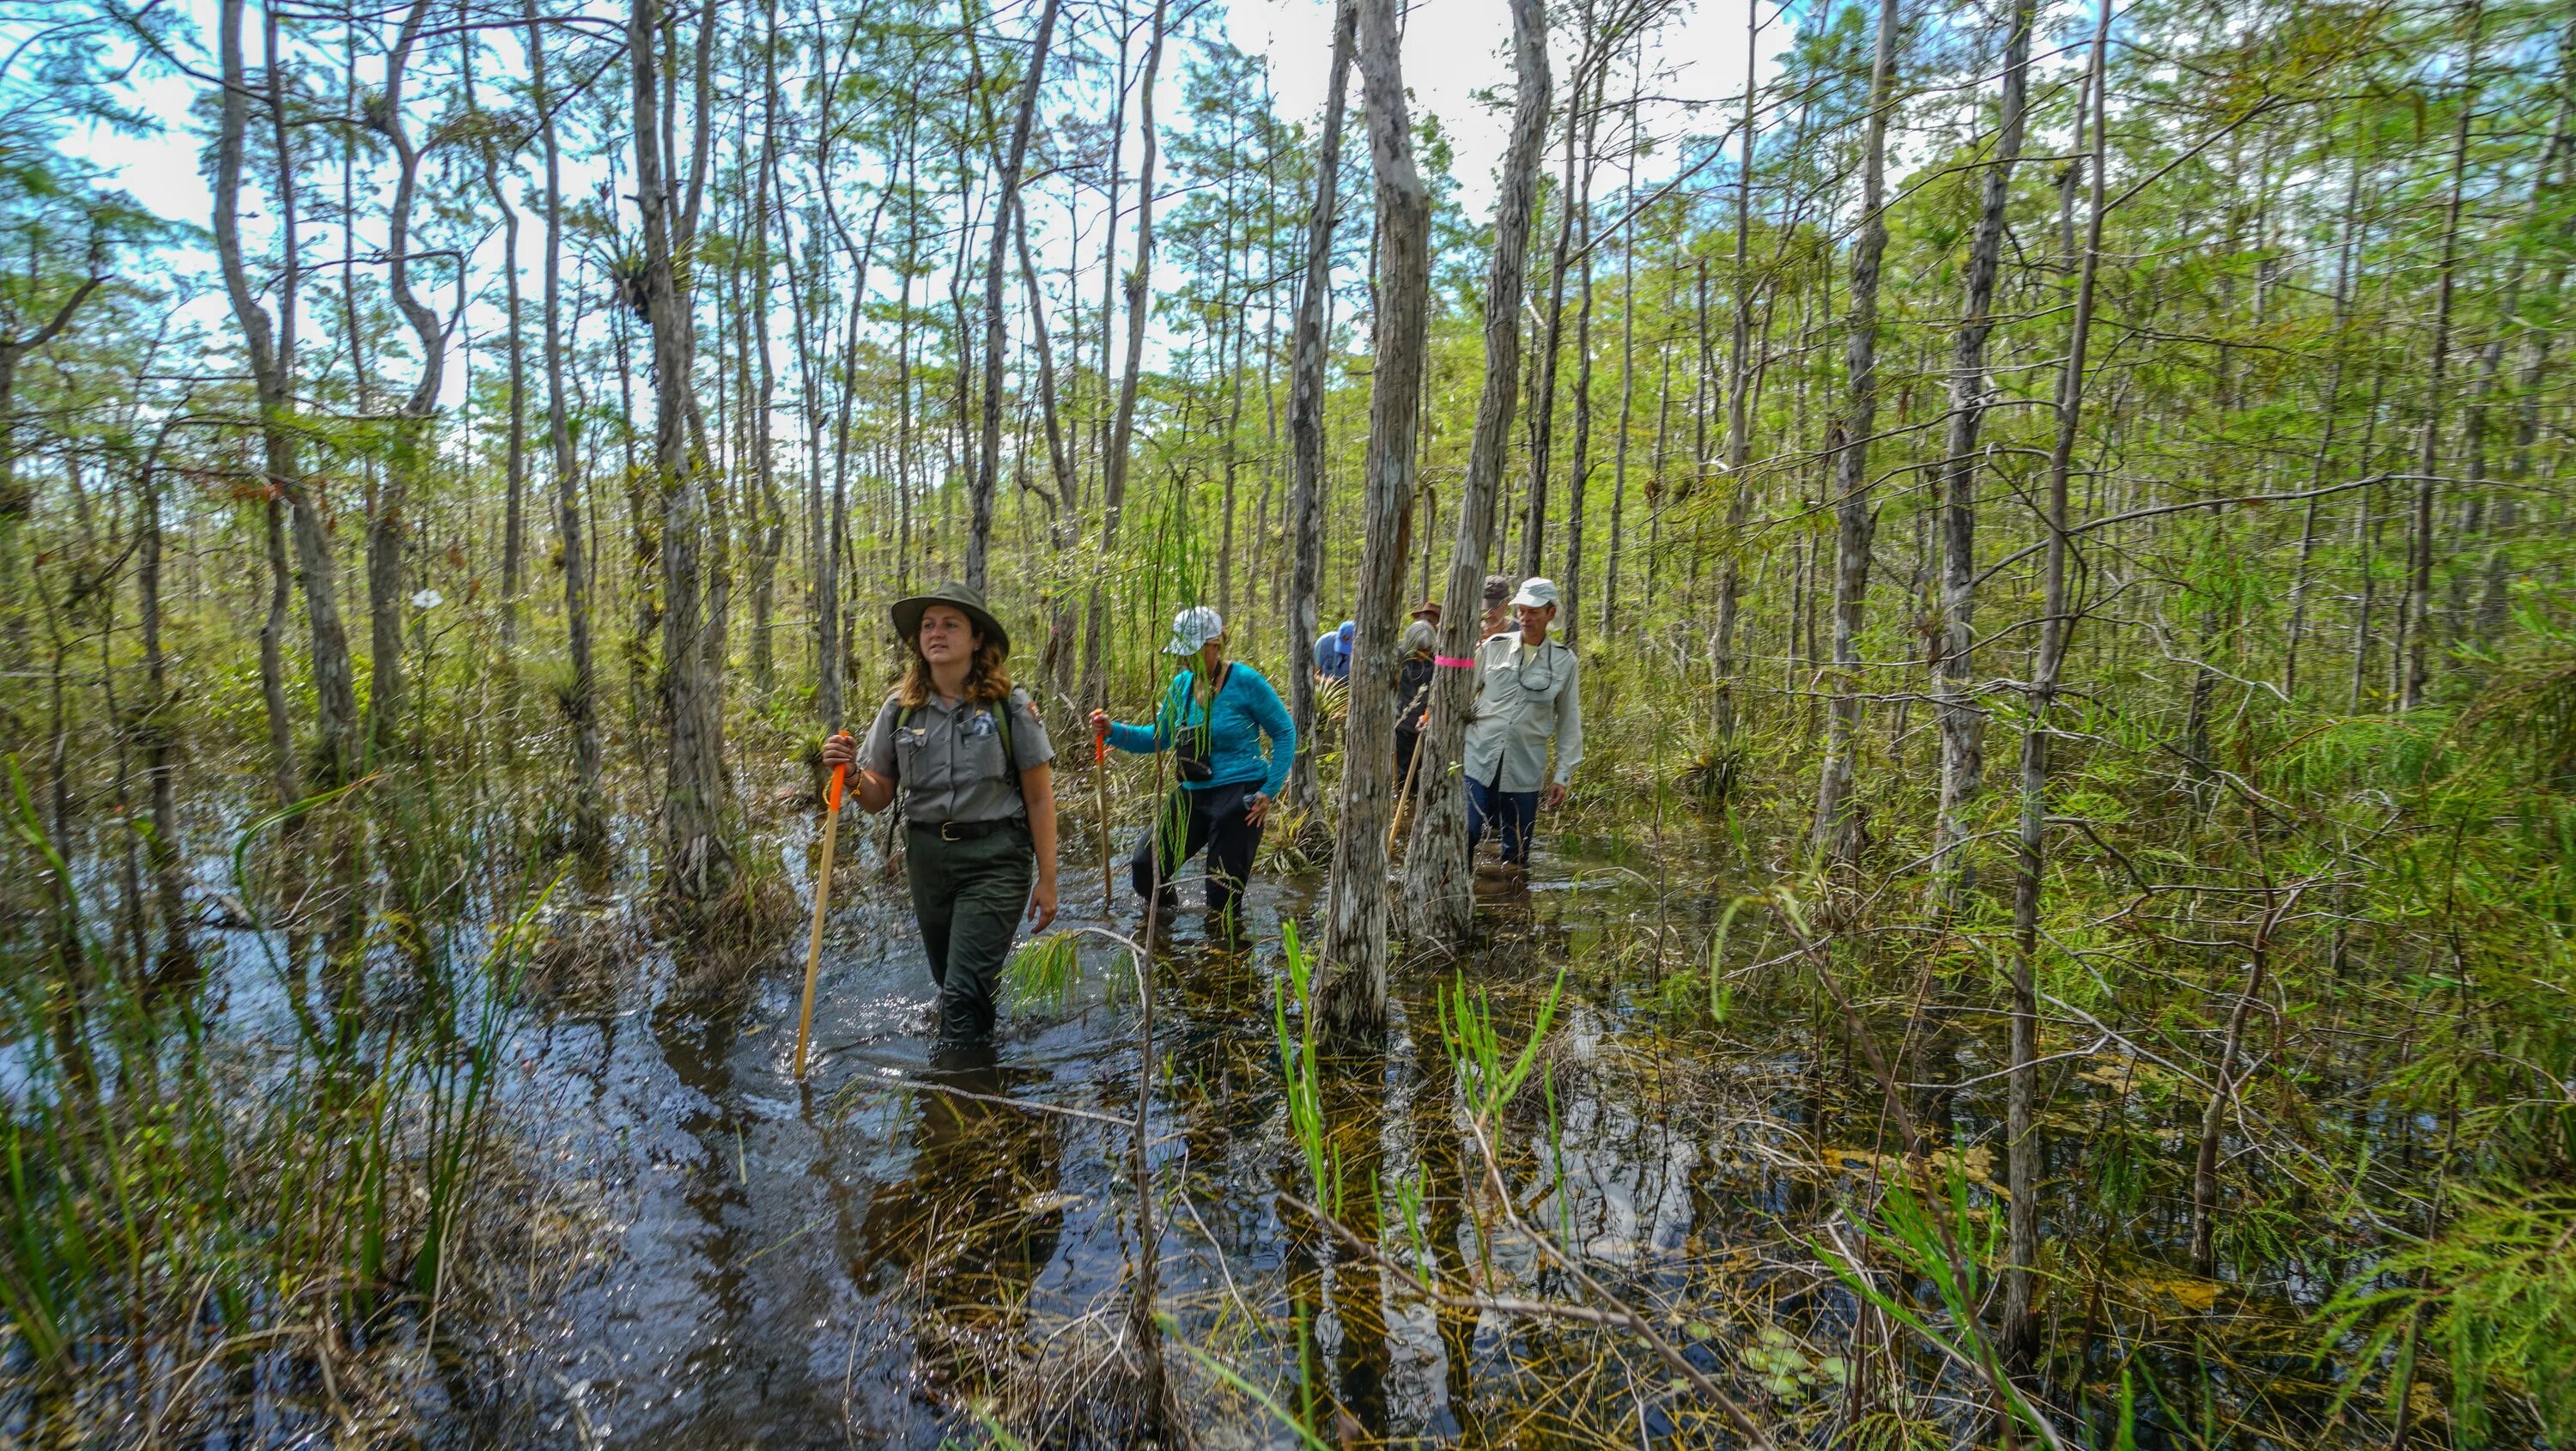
(963, 830)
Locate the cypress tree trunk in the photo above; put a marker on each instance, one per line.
(2021, 1108)
(696, 862)
(2326, 433)
(413, 451)
(1138, 294)
(1306, 417)
(1006, 201)
(1963, 723)
(1351, 993)
(1579, 465)
(2415, 620)
(1542, 412)
(770, 542)
(1856, 515)
(1627, 390)
(581, 705)
(1437, 886)
(515, 448)
(272, 359)
(160, 737)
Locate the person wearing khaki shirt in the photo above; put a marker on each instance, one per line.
(1527, 696)
(971, 760)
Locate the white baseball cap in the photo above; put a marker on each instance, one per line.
(1193, 628)
(1536, 593)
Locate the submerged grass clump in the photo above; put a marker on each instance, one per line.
(181, 1204)
(1044, 974)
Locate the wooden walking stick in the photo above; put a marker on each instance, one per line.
(822, 900)
(1404, 801)
(1100, 807)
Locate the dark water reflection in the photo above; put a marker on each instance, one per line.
(863, 1259)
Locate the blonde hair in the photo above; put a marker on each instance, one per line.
(988, 677)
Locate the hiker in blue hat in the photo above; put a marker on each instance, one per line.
(1213, 718)
(1333, 652)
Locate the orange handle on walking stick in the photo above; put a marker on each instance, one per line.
(822, 899)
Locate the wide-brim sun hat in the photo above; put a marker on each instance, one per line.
(1427, 610)
(1536, 593)
(907, 612)
(1192, 629)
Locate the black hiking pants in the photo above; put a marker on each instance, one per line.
(1194, 821)
(968, 897)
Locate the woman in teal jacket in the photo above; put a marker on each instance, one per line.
(1214, 717)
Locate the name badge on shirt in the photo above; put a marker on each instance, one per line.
(980, 725)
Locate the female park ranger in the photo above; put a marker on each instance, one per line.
(1213, 718)
(1526, 695)
(971, 758)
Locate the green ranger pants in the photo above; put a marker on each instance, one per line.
(968, 897)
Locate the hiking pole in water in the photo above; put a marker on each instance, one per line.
(1100, 805)
(822, 900)
(1404, 798)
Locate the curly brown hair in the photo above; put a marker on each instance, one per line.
(988, 677)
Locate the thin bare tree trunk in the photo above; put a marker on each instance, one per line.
(1138, 294)
(1579, 463)
(1963, 722)
(160, 733)
(1306, 416)
(514, 527)
(832, 526)
(2326, 433)
(1739, 413)
(1062, 526)
(770, 541)
(1542, 413)
(1351, 992)
(284, 770)
(413, 450)
(1627, 385)
(1437, 884)
(272, 356)
(2414, 622)
(2021, 1302)
(1856, 514)
(1006, 201)
(581, 704)
(1059, 456)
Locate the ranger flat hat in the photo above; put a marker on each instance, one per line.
(907, 612)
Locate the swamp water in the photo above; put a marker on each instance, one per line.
(719, 1257)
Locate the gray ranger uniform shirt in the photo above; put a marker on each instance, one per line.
(1523, 697)
(947, 760)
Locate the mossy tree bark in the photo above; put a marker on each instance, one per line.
(1437, 886)
(1352, 991)
(697, 863)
